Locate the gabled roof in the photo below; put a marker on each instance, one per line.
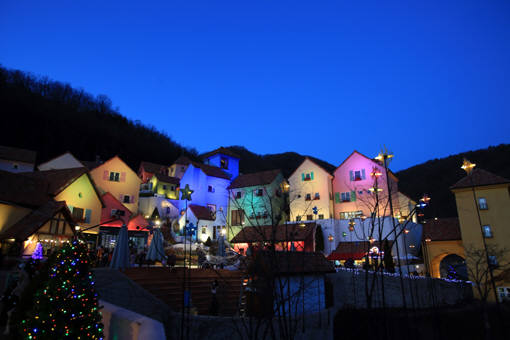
(355, 250)
(442, 229)
(167, 179)
(201, 212)
(117, 201)
(91, 165)
(371, 159)
(108, 161)
(254, 179)
(153, 168)
(209, 170)
(16, 154)
(221, 150)
(58, 180)
(292, 262)
(23, 190)
(61, 156)
(311, 160)
(29, 224)
(280, 233)
(479, 177)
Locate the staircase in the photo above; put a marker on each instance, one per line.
(166, 285)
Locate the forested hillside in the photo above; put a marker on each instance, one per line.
(436, 176)
(51, 118)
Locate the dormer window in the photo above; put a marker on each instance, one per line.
(224, 163)
(317, 196)
(238, 195)
(308, 176)
(308, 197)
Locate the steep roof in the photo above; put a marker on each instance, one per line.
(167, 179)
(23, 190)
(29, 224)
(209, 170)
(59, 179)
(91, 164)
(371, 159)
(293, 262)
(152, 167)
(221, 150)
(16, 154)
(254, 179)
(314, 162)
(479, 177)
(280, 233)
(442, 229)
(201, 212)
(355, 250)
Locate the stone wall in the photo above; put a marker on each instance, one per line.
(348, 288)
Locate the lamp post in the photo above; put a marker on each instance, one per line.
(468, 167)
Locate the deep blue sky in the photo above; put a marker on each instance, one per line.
(427, 79)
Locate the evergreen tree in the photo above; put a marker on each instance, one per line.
(38, 252)
(66, 304)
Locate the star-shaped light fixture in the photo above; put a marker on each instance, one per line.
(467, 166)
(186, 193)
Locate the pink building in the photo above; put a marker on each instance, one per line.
(354, 186)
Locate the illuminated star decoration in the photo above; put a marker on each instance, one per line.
(315, 210)
(186, 193)
(467, 166)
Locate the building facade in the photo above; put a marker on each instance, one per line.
(483, 201)
(16, 159)
(310, 186)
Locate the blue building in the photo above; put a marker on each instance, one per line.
(209, 181)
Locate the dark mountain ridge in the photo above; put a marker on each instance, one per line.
(51, 118)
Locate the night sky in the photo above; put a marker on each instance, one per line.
(427, 79)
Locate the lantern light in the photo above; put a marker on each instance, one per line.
(467, 166)
(330, 238)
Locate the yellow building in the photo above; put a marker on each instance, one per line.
(442, 247)
(483, 206)
(28, 215)
(116, 177)
(75, 187)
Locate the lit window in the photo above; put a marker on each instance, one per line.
(487, 232)
(482, 203)
(204, 230)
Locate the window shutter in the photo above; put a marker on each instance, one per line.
(311, 174)
(353, 196)
(88, 213)
(106, 175)
(337, 197)
(132, 199)
(302, 176)
(363, 174)
(351, 175)
(122, 176)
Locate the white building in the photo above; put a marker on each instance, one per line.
(16, 160)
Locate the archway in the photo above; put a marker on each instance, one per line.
(453, 266)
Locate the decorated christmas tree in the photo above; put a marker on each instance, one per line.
(38, 252)
(66, 305)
